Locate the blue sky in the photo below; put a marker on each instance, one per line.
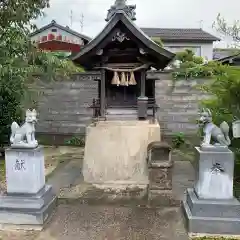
(151, 13)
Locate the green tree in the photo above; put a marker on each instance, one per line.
(20, 61)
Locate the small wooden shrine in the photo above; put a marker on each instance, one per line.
(123, 54)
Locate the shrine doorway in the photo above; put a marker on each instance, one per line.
(122, 96)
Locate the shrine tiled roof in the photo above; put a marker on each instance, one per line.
(163, 55)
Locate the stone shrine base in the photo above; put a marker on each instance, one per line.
(27, 210)
(211, 217)
(116, 152)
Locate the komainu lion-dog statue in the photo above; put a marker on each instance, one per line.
(220, 135)
(24, 136)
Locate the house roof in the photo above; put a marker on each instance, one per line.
(67, 29)
(162, 55)
(221, 53)
(229, 58)
(180, 34)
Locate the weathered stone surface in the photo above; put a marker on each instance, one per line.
(160, 178)
(160, 168)
(115, 153)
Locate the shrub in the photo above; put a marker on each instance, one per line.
(190, 64)
(76, 141)
(198, 60)
(11, 93)
(185, 56)
(178, 140)
(210, 70)
(225, 101)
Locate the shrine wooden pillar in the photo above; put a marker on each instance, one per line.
(143, 84)
(103, 94)
(143, 100)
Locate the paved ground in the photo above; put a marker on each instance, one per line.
(109, 223)
(83, 222)
(68, 181)
(67, 175)
(86, 222)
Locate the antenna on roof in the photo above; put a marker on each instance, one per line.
(201, 24)
(71, 18)
(82, 22)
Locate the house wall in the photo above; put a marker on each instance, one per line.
(64, 107)
(202, 49)
(66, 37)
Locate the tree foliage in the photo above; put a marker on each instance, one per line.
(20, 61)
(225, 100)
(192, 67)
(232, 30)
(188, 56)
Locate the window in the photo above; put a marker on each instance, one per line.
(54, 30)
(175, 49)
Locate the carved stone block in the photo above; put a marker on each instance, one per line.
(160, 166)
(159, 154)
(160, 178)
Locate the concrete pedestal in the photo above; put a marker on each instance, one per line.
(115, 154)
(28, 200)
(25, 170)
(214, 173)
(210, 208)
(211, 217)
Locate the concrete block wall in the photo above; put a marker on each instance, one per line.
(179, 110)
(64, 107)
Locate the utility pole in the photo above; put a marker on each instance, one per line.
(82, 22)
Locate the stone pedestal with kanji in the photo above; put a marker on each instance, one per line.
(28, 202)
(210, 208)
